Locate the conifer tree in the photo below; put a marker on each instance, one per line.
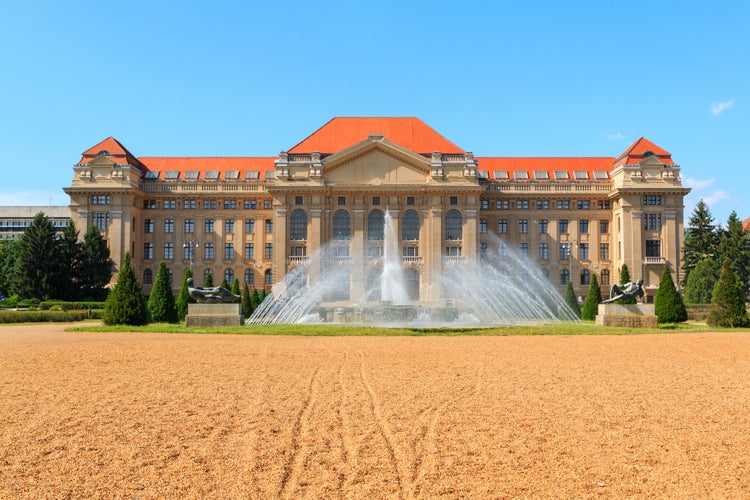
(701, 282)
(728, 304)
(161, 303)
(625, 278)
(8, 257)
(255, 299)
(593, 299)
(701, 238)
(247, 308)
(208, 280)
(734, 244)
(571, 301)
(126, 304)
(183, 299)
(236, 286)
(37, 268)
(668, 304)
(71, 260)
(225, 283)
(96, 265)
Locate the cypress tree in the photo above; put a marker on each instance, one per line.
(625, 278)
(37, 268)
(255, 299)
(593, 299)
(728, 304)
(208, 280)
(225, 284)
(236, 286)
(161, 303)
(71, 258)
(184, 298)
(571, 301)
(701, 282)
(96, 266)
(247, 308)
(126, 304)
(668, 304)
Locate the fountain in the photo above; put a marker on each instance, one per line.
(499, 288)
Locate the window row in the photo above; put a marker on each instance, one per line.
(206, 204)
(209, 252)
(543, 226)
(208, 226)
(547, 204)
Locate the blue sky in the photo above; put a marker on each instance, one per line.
(497, 78)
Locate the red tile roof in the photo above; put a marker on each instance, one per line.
(530, 165)
(343, 132)
(637, 152)
(204, 164)
(115, 150)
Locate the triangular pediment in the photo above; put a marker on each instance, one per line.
(376, 161)
(102, 161)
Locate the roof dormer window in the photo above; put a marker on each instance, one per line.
(649, 153)
(103, 152)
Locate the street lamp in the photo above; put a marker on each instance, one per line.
(190, 247)
(569, 249)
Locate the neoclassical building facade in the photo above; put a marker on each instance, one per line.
(255, 218)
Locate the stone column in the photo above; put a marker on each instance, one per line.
(434, 256)
(357, 252)
(280, 250)
(470, 235)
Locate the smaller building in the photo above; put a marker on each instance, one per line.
(15, 220)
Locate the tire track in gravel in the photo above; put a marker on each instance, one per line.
(349, 449)
(384, 428)
(293, 465)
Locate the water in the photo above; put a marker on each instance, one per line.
(501, 289)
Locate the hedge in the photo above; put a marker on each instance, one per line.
(67, 306)
(46, 316)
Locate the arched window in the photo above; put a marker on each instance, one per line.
(148, 277)
(342, 228)
(375, 225)
(208, 276)
(564, 277)
(229, 276)
(298, 225)
(605, 277)
(453, 225)
(412, 283)
(585, 277)
(169, 275)
(249, 277)
(269, 277)
(410, 225)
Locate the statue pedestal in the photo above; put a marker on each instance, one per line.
(627, 315)
(220, 314)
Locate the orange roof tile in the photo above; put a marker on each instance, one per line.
(115, 150)
(636, 152)
(204, 164)
(343, 132)
(550, 165)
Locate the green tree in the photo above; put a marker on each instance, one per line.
(625, 278)
(236, 286)
(38, 267)
(668, 304)
(161, 303)
(728, 304)
(571, 301)
(700, 284)
(184, 298)
(247, 308)
(255, 299)
(126, 304)
(225, 284)
(701, 239)
(8, 257)
(593, 299)
(96, 265)
(208, 280)
(71, 258)
(734, 244)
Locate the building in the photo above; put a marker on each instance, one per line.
(254, 218)
(15, 219)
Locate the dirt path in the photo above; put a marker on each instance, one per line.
(155, 415)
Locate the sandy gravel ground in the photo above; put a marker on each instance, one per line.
(154, 415)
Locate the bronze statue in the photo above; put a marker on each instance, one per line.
(211, 295)
(627, 291)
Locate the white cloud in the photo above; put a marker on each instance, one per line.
(718, 108)
(698, 183)
(718, 196)
(617, 136)
(34, 198)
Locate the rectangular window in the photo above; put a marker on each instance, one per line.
(148, 226)
(170, 204)
(454, 200)
(543, 251)
(101, 199)
(148, 251)
(522, 204)
(149, 204)
(602, 204)
(603, 251)
(604, 226)
(189, 226)
(583, 226)
(209, 204)
(269, 251)
(652, 199)
(228, 226)
(652, 222)
(249, 250)
(209, 226)
(229, 250)
(188, 204)
(100, 220)
(523, 250)
(269, 226)
(188, 251)
(584, 204)
(249, 226)
(563, 226)
(168, 251)
(410, 200)
(484, 204)
(502, 205)
(523, 226)
(253, 204)
(342, 200)
(267, 204)
(208, 251)
(502, 226)
(542, 205)
(583, 251)
(483, 251)
(376, 200)
(298, 200)
(230, 204)
(563, 204)
(543, 224)
(169, 225)
(502, 252)
(564, 251)
(653, 248)
(482, 226)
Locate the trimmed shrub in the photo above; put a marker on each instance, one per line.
(593, 299)
(126, 304)
(728, 302)
(668, 304)
(570, 299)
(161, 303)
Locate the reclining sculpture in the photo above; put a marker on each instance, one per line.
(627, 291)
(211, 295)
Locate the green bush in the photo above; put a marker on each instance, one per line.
(728, 302)
(126, 304)
(68, 306)
(593, 299)
(42, 316)
(668, 305)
